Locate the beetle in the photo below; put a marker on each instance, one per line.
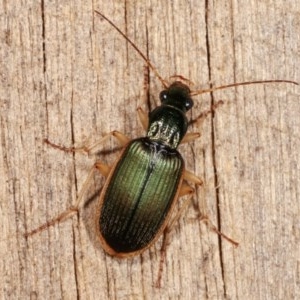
(142, 187)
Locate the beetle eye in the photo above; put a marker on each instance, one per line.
(163, 96)
(189, 104)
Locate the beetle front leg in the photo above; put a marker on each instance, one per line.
(143, 116)
(204, 114)
(121, 138)
(189, 137)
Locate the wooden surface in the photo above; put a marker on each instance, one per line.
(67, 75)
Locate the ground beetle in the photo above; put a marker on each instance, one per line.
(142, 188)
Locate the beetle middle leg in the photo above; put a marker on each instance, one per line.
(122, 139)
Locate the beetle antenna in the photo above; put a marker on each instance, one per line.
(164, 83)
(199, 92)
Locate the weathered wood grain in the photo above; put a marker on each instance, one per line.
(69, 76)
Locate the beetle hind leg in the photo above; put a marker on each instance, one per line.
(102, 168)
(185, 189)
(71, 211)
(212, 227)
(189, 176)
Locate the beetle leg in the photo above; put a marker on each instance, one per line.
(189, 176)
(122, 139)
(104, 170)
(204, 114)
(185, 189)
(143, 116)
(190, 136)
(212, 227)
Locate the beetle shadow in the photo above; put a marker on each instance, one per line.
(88, 214)
(107, 152)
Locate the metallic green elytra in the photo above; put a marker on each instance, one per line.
(140, 192)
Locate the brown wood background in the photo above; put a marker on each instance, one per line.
(69, 76)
